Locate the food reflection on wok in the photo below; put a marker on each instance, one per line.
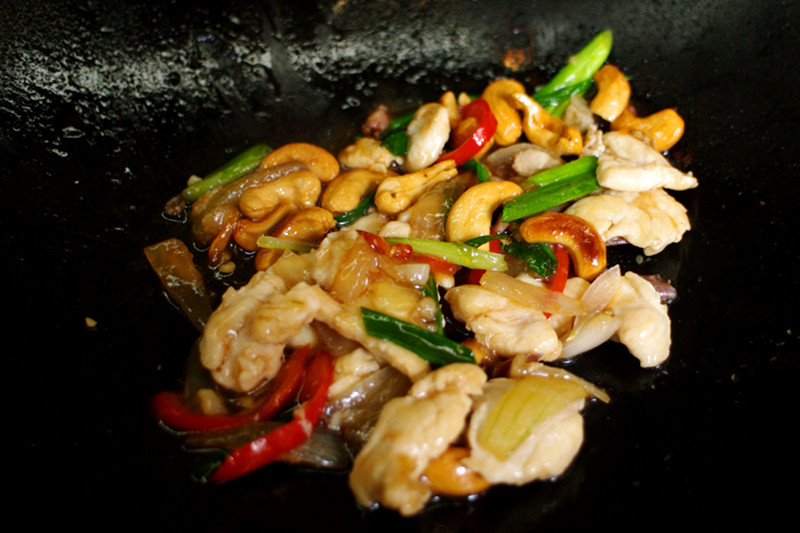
(412, 294)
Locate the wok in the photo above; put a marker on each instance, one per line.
(107, 107)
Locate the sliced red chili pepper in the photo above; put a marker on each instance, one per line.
(285, 384)
(267, 448)
(559, 279)
(171, 409)
(376, 242)
(486, 125)
(437, 265)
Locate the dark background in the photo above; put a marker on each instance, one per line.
(107, 107)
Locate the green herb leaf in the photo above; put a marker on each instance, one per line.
(479, 168)
(538, 256)
(432, 347)
(345, 219)
(396, 143)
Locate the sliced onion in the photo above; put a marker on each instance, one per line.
(521, 367)
(589, 334)
(354, 413)
(532, 295)
(174, 264)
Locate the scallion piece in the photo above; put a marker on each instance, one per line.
(483, 239)
(432, 347)
(580, 166)
(456, 253)
(345, 219)
(556, 186)
(543, 198)
(237, 167)
(431, 290)
(579, 69)
(396, 143)
(399, 124)
(282, 243)
(538, 256)
(479, 169)
(556, 102)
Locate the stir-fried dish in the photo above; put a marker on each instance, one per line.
(413, 294)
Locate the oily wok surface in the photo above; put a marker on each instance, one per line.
(106, 109)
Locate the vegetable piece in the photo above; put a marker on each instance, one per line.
(456, 253)
(171, 410)
(396, 143)
(431, 290)
(479, 168)
(570, 184)
(537, 256)
(237, 167)
(584, 165)
(267, 448)
(559, 280)
(479, 110)
(556, 102)
(548, 301)
(174, 265)
(530, 402)
(170, 407)
(345, 219)
(282, 243)
(579, 69)
(432, 347)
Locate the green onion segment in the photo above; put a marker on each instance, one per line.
(578, 71)
(345, 219)
(234, 169)
(434, 348)
(561, 184)
(457, 253)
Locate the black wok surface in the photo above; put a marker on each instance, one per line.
(107, 107)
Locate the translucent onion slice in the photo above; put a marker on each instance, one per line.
(529, 403)
(521, 367)
(532, 295)
(589, 334)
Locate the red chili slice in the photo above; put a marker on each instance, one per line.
(267, 448)
(479, 110)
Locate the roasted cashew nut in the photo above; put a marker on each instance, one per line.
(663, 129)
(301, 188)
(428, 132)
(248, 231)
(471, 214)
(582, 241)
(613, 93)
(310, 224)
(545, 130)
(498, 95)
(397, 193)
(347, 190)
(318, 160)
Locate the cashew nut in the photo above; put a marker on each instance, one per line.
(368, 153)
(301, 188)
(543, 129)
(310, 225)
(318, 160)
(613, 93)
(454, 105)
(347, 190)
(582, 241)
(397, 193)
(471, 214)
(248, 231)
(427, 133)
(663, 129)
(498, 95)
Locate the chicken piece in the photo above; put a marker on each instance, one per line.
(368, 153)
(350, 368)
(545, 453)
(412, 430)
(230, 348)
(629, 164)
(579, 115)
(651, 220)
(645, 327)
(428, 132)
(503, 325)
